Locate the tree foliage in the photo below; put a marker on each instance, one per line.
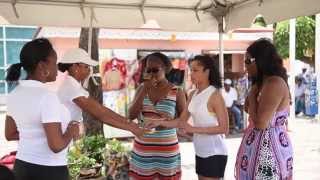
(305, 37)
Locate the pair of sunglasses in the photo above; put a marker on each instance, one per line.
(152, 70)
(249, 61)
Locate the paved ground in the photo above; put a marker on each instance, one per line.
(304, 134)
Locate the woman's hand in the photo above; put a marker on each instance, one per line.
(184, 134)
(74, 129)
(136, 130)
(153, 124)
(186, 127)
(148, 84)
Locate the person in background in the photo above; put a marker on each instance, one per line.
(210, 119)
(304, 75)
(156, 155)
(299, 91)
(230, 96)
(75, 67)
(36, 118)
(266, 151)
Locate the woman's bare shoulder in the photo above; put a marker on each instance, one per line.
(276, 83)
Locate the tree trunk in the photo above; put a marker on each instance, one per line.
(92, 125)
(274, 26)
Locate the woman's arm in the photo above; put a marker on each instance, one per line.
(252, 102)
(181, 101)
(136, 105)
(246, 105)
(11, 131)
(106, 115)
(183, 118)
(57, 140)
(270, 98)
(217, 105)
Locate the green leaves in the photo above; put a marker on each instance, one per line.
(92, 151)
(305, 37)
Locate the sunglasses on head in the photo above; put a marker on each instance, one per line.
(249, 61)
(152, 70)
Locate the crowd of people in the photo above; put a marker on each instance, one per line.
(305, 103)
(44, 112)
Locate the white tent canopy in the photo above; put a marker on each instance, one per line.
(180, 15)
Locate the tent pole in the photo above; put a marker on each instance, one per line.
(221, 47)
(221, 56)
(292, 57)
(90, 32)
(317, 58)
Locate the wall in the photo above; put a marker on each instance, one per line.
(191, 46)
(238, 63)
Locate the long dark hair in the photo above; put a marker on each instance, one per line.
(210, 63)
(31, 54)
(267, 60)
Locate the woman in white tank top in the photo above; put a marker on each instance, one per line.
(210, 119)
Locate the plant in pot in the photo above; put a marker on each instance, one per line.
(116, 160)
(85, 157)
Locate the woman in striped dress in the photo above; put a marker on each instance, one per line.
(156, 154)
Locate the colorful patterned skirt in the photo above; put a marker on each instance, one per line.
(156, 156)
(266, 154)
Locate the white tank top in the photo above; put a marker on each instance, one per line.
(205, 144)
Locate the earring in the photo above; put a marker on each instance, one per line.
(46, 74)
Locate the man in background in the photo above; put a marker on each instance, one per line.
(230, 96)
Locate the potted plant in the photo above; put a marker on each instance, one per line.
(116, 160)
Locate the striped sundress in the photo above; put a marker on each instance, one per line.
(156, 155)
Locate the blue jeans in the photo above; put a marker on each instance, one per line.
(300, 105)
(237, 116)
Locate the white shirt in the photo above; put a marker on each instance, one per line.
(229, 97)
(206, 144)
(299, 90)
(69, 89)
(31, 104)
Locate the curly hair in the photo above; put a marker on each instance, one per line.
(268, 61)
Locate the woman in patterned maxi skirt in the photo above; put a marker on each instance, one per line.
(266, 152)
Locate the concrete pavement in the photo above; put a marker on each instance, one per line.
(305, 136)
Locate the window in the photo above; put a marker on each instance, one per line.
(2, 74)
(2, 87)
(19, 33)
(1, 54)
(12, 39)
(1, 32)
(13, 51)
